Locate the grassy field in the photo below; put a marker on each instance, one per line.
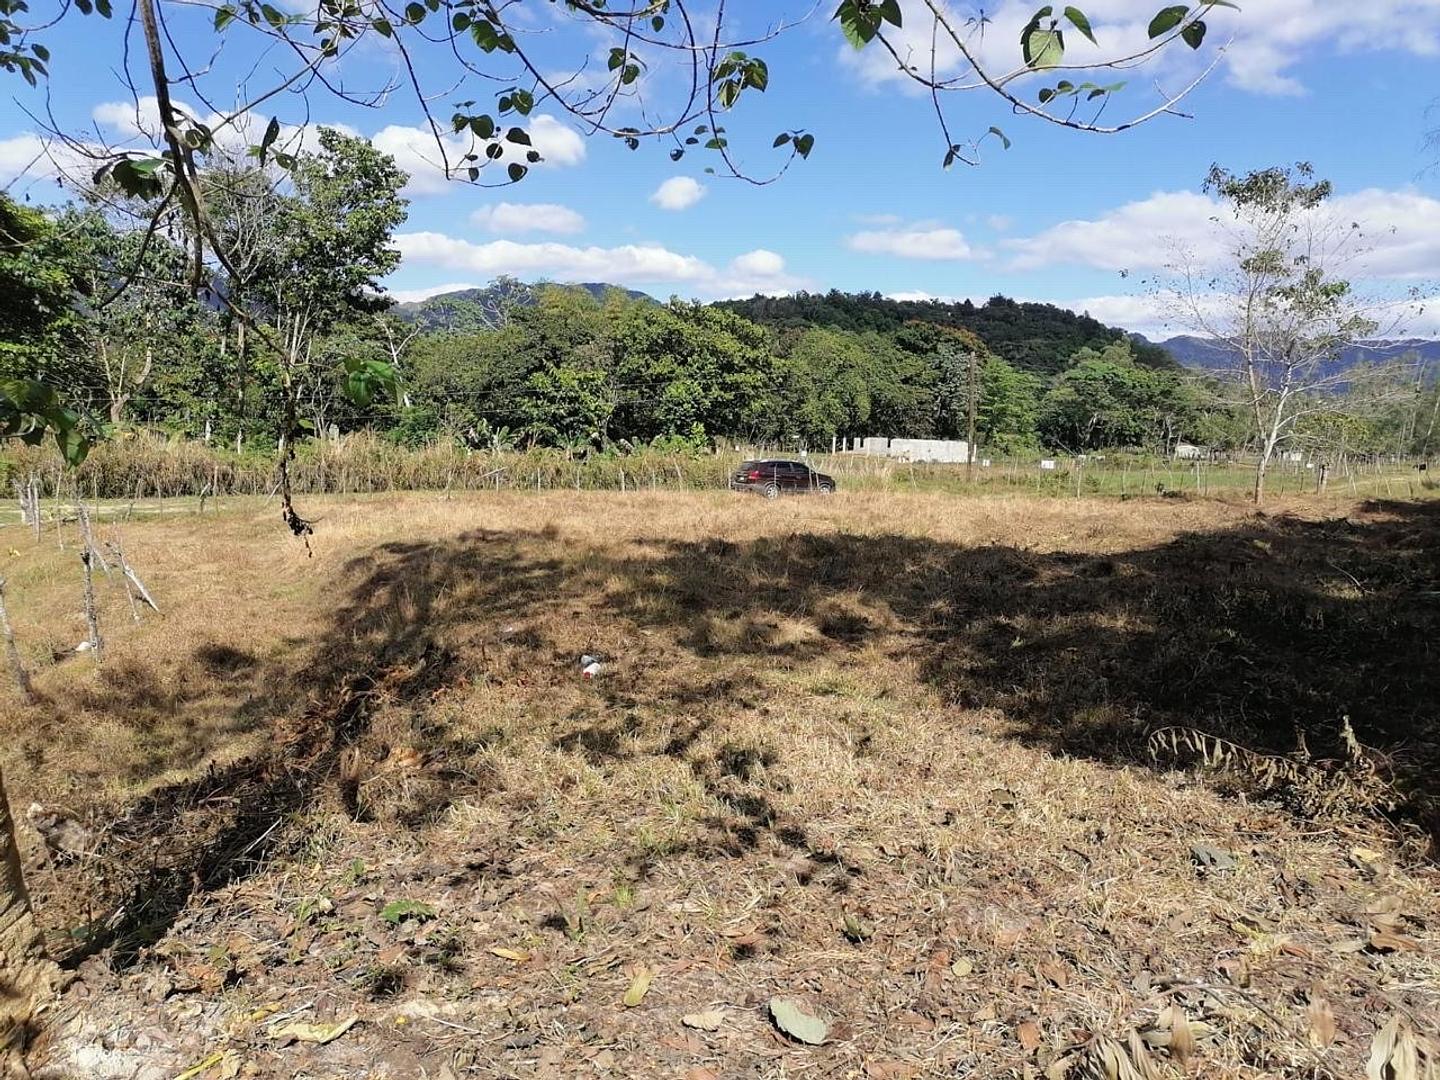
(143, 469)
(908, 758)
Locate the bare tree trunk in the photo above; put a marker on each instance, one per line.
(92, 619)
(26, 974)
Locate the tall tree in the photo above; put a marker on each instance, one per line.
(1281, 305)
(133, 308)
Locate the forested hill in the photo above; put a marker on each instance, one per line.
(467, 310)
(1039, 338)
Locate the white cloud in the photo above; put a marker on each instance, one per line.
(999, 222)
(1400, 234)
(920, 241)
(1269, 39)
(677, 193)
(509, 217)
(558, 143)
(627, 264)
(25, 156)
(416, 151)
(1127, 238)
(759, 262)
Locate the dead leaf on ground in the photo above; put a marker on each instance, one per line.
(1387, 941)
(1054, 971)
(796, 1020)
(962, 967)
(1322, 1021)
(1396, 1053)
(639, 987)
(709, 1020)
(319, 1034)
(1028, 1033)
(889, 1070)
(520, 956)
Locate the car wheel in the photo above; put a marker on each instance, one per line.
(827, 489)
(771, 491)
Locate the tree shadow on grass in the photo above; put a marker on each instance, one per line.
(1275, 635)
(1268, 634)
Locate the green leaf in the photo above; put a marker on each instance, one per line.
(858, 21)
(486, 36)
(781, 139)
(41, 51)
(1042, 48)
(795, 1020)
(727, 93)
(517, 171)
(1194, 34)
(272, 132)
(397, 911)
(1005, 139)
(1166, 20)
(677, 153)
(1080, 22)
(803, 143)
(518, 136)
(383, 28)
(657, 23)
(890, 11)
(617, 58)
(102, 8)
(224, 17)
(415, 12)
(460, 22)
(757, 75)
(73, 446)
(273, 15)
(483, 127)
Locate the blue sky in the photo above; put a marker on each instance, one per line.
(1056, 217)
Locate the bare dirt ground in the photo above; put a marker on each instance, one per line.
(910, 761)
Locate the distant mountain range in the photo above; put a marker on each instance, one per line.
(1205, 355)
(469, 310)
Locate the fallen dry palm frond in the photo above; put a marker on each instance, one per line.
(1397, 1053)
(1322, 788)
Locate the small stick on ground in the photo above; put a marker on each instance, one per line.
(125, 581)
(130, 578)
(22, 677)
(92, 620)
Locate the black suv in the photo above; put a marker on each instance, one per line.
(773, 478)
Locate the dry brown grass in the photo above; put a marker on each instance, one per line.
(884, 753)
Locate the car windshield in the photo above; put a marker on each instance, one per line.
(749, 465)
